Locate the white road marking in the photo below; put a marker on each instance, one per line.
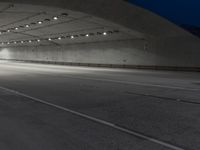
(136, 83)
(106, 123)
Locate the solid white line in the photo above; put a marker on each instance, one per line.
(106, 123)
(136, 83)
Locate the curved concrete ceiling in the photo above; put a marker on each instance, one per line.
(120, 21)
(117, 11)
(33, 24)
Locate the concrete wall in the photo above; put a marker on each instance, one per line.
(129, 53)
(112, 52)
(183, 51)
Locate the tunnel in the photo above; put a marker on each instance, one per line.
(96, 74)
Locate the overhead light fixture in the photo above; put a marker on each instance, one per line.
(54, 38)
(39, 22)
(34, 23)
(104, 33)
(55, 18)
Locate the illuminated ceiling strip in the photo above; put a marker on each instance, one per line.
(61, 37)
(54, 18)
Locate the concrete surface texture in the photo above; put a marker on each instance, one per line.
(154, 40)
(100, 53)
(40, 106)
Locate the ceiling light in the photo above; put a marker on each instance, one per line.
(22, 41)
(16, 28)
(59, 38)
(104, 33)
(15, 42)
(27, 26)
(8, 43)
(87, 35)
(49, 39)
(8, 30)
(39, 22)
(38, 40)
(72, 37)
(29, 41)
(55, 18)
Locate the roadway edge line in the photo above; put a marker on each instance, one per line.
(106, 123)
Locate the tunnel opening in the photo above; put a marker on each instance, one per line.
(59, 35)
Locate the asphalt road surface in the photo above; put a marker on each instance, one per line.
(52, 107)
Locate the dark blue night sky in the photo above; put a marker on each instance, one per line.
(181, 12)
